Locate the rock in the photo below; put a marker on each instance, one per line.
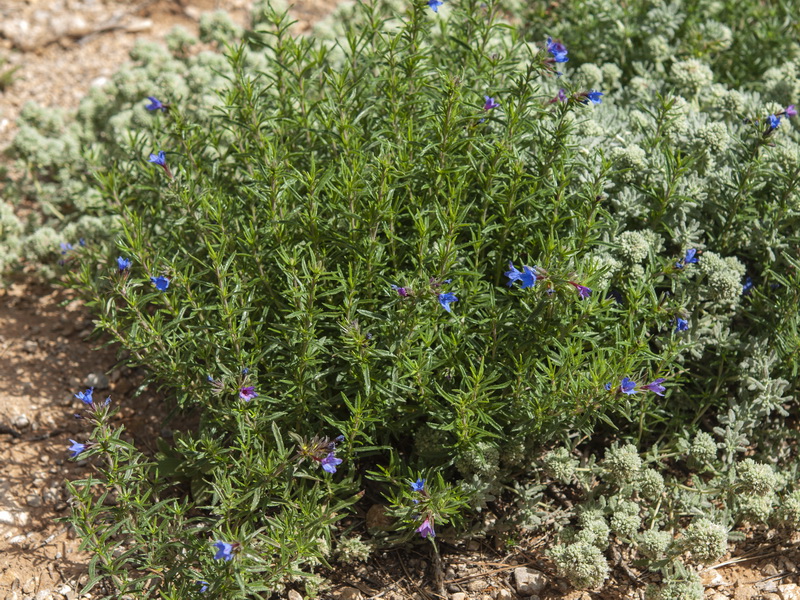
(29, 586)
(458, 596)
(44, 595)
(21, 518)
(65, 590)
(529, 581)
(348, 593)
(377, 519)
(294, 595)
(30, 346)
(33, 500)
(7, 518)
(770, 569)
(51, 496)
(477, 585)
(21, 421)
(789, 591)
(98, 381)
(17, 540)
(504, 594)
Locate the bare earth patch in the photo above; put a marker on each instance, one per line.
(62, 47)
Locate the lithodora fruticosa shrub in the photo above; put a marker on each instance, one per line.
(410, 256)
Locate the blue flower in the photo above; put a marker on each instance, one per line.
(123, 263)
(655, 386)
(85, 397)
(445, 299)
(224, 551)
(748, 285)
(159, 159)
(435, 4)
(558, 50)
(156, 104)
(681, 324)
(608, 387)
(203, 586)
(627, 386)
(774, 121)
(76, 448)
(82, 242)
(489, 103)
(330, 462)
(65, 247)
(247, 393)
(688, 259)
(161, 283)
(418, 485)
(527, 276)
(593, 97)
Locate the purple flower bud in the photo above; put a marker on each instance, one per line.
(489, 103)
(655, 386)
(790, 111)
(426, 529)
(401, 291)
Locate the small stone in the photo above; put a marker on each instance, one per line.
(789, 566)
(529, 581)
(30, 346)
(44, 595)
(21, 421)
(21, 518)
(7, 518)
(98, 381)
(60, 506)
(377, 519)
(33, 500)
(770, 569)
(29, 586)
(294, 595)
(789, 591)
(458, 596)
(477, 585)
(51, 496)
(348, 593)
(504, 594)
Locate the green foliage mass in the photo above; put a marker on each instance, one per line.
(323, 193)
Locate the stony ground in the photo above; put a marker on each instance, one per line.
(62, 47)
